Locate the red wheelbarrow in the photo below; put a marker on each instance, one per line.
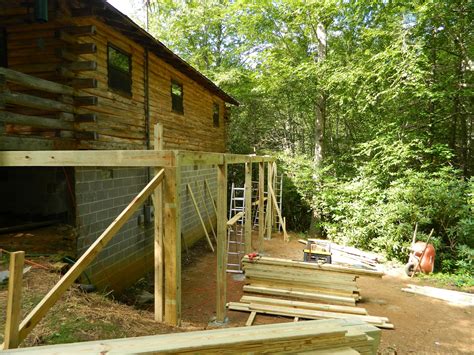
(422, 257)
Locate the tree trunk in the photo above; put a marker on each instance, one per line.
(319, 128)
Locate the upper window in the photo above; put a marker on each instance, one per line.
(215, 114)
(119, 66)
(3, 48)
(177, 97)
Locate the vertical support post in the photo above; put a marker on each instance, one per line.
(269, 210)
(261, 206)
(12, 324)
(158, 242)
(221, 288)
(248, 207)
(172, 243)
(274, 177)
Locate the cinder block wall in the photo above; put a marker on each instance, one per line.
(102, 193)
(195, 176)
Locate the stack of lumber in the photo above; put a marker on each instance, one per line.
(305, 310)
(327, 283)
(335, 336)
(297, 283)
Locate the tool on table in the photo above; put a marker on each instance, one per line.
(318, 251)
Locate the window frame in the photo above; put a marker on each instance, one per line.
(180, 108)
(216, 119)
(121, 91)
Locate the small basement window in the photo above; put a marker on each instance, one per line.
(177, 97)
(119, 67)
(215, 114)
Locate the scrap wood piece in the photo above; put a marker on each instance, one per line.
(251, 319)
(303, 305)
(200, 217)
(454, 297)
(381, 322)
(333, 299)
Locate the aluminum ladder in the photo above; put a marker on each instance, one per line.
(235, 233)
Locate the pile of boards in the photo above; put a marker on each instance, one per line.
(335, 336)
(305, 290)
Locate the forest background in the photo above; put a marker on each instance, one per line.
(368, 105)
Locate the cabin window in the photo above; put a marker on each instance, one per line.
(3, 48)
(215, 114)
(177, 97)
(119, 66)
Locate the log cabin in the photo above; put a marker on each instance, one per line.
(80, 75)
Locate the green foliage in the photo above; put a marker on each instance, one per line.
(397, 135)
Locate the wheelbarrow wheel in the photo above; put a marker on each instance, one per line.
(410, 269)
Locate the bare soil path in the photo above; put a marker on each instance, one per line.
(422, 325)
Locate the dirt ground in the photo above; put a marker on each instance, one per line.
(422, 325)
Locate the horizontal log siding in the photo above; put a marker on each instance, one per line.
(194, 129)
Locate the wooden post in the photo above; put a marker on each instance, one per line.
(261, 206)
(89, 255)
(172, 243)
(269, 210)
(248, 207)
(12, 324)
(158, 240)
(221, 242)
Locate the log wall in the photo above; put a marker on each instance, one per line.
(50, 52)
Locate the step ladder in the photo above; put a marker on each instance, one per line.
(235, 233)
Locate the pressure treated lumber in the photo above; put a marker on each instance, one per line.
(303, 305)
(261, 211)
(380, 322)
(269, 209)
(248, 209)
(74, 272)
(172, 244)
(299, 294)
(99, 158)
(328, 336)
(234, 219)
(275, 203)
(221, 287)
(313, 266)
(200, 216)
(158, 233)
(12, 322)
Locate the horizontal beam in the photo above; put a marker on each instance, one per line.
(104, 158)
(35, 102)
(35, 121)
(234, 219)
(208, 158)
(35, 83)
(120, 158)
(200, 158)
